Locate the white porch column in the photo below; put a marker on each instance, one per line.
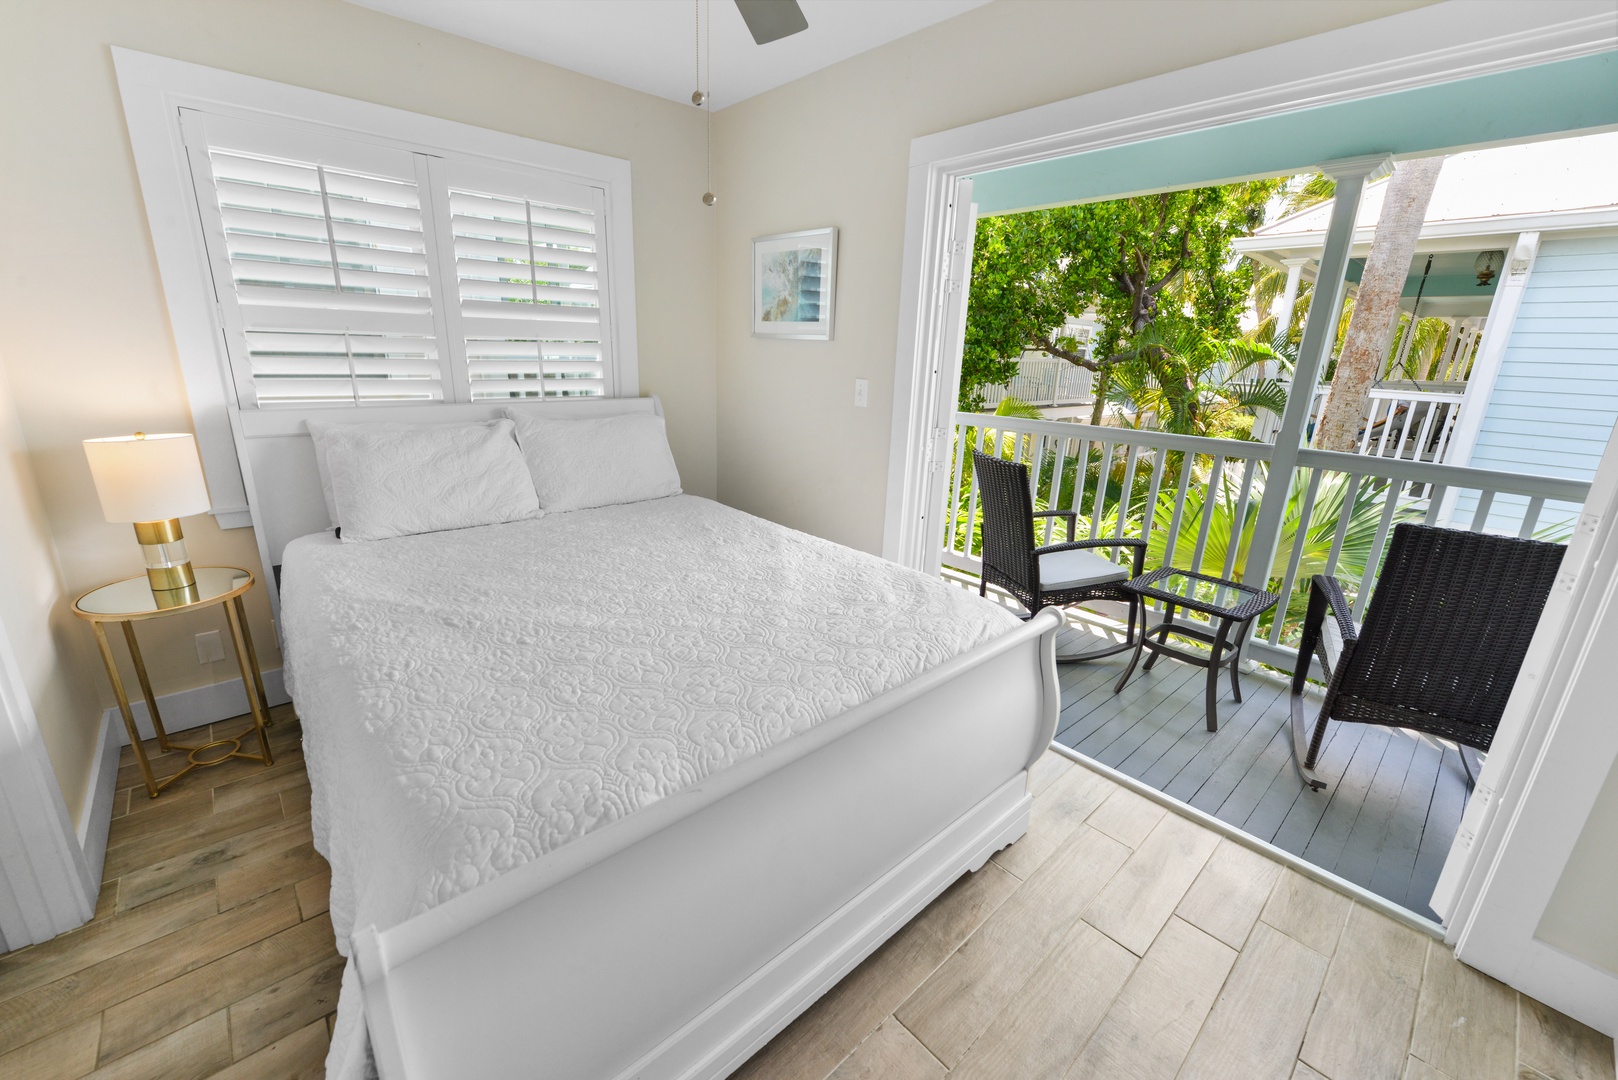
(1319, 333)
(1266, 422)
(1289, 295)
(1497, 327)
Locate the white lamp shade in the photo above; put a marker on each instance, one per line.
(147, 477)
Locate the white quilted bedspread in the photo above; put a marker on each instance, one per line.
(473, 699)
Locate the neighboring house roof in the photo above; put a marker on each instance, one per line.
(1555, 185)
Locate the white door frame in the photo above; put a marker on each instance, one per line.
(935, 387)
(1500, 889)
(1440, 43)
(47, 885)
(1555, 748)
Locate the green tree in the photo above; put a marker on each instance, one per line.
(1129, 259)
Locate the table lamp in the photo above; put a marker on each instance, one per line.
(152, 481)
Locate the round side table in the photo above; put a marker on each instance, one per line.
(132, 600)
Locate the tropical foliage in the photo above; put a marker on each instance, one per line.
(1185, 380)
(1129, 260)
(1428, 342)
(1313, 543)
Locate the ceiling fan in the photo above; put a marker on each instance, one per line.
(771, 20)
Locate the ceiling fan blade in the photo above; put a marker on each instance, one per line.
(770, 20)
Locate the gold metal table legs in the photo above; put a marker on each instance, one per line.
(196, 756)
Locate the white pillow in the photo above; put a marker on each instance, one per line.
(426, 478)
(329, 435)
(577, 464)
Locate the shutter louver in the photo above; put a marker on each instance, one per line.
(330, 273)
(530, 299)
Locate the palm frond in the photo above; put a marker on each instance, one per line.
(1268, 394)
(1017, 407)
(1318, 188)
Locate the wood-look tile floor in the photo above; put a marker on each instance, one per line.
(1116, 939)
(1393, 799)
(1120, 940)
(210, 953)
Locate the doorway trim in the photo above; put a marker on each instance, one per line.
(47, 885)
(1387, 55)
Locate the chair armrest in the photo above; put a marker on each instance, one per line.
(1071, 515)
(1332, 590)
(1128, 542)
(1325, 595)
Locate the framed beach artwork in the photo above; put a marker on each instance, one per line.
(794, 284)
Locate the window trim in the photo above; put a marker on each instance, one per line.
(154, 89)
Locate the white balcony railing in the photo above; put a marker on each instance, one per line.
(1409, 421)
(1196, 503)
(1046, 382)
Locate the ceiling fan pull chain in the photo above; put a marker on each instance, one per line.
(703, 97)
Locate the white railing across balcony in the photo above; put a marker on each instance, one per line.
(1043, 381)
(1196, 503)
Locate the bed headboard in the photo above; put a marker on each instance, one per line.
(278, 457)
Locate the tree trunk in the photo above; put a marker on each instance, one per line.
(1376, 307)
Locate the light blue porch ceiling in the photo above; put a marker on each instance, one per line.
(1568, 95)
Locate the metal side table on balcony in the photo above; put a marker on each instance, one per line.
(133, 600)
(1228, 605)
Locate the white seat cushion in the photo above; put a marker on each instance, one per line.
(1075, 569)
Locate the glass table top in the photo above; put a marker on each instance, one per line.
(1199, 592)
(134, 596)
(1211, 593)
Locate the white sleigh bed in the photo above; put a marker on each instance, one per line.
(664, 940)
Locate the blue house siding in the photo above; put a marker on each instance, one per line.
(1556, 398)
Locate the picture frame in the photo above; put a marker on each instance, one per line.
(795, 284)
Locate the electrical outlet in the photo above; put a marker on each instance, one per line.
(210, 648)
(862, 393)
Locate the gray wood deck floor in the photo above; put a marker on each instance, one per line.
(1385, 821)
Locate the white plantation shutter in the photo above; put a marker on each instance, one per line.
(320, 255)
(353, 272)
(528, 266)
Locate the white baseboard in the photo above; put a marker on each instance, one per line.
(95, 817)
(186, 709)
(182, 711)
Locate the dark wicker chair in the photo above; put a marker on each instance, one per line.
(1055, 574)
(1444, 637)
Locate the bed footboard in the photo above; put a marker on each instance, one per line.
(676, 941)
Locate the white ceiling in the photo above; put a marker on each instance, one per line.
(649, 45)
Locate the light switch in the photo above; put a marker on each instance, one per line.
(862, 393)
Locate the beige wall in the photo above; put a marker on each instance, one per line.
(52, 648)
(833, 149)
(84, 334)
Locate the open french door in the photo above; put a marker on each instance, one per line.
(948, 326)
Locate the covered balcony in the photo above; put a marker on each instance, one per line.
(1249, 511)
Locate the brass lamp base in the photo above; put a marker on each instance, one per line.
(168, 565)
